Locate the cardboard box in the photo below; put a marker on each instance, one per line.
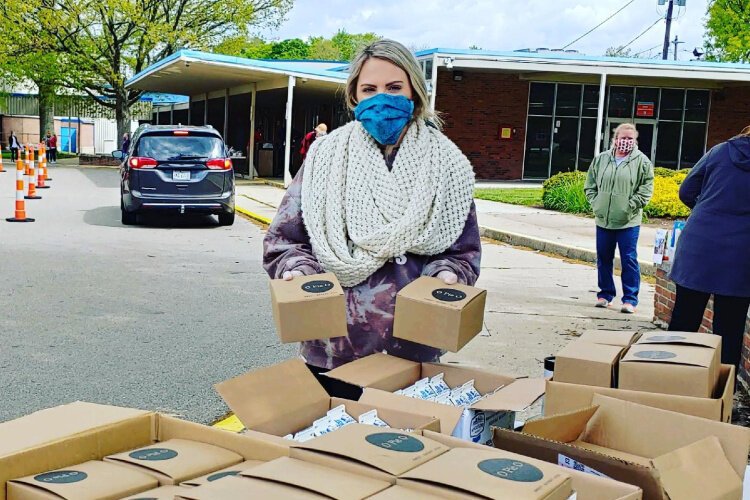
(622, 338)
(397, 492)
(586, 485)
(286, 398)
(308, 308)
(381, 374)
(465, 473)
(585, 363)
(669, 369)
(90, 480)
(71, 434)
(240, 488)
(563, 398)
(707, 340)
(232, 470)
(307, 476)
(598, 438)
(369, 451)
(160, 493)
(176, 460)
(432, 313)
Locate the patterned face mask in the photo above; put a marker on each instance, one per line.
(625, 145)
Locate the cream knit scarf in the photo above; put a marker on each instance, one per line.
(358, 214)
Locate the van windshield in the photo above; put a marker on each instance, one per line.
(180, 147)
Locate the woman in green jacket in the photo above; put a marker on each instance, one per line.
(620, 183)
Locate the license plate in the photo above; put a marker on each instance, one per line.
(180, 175)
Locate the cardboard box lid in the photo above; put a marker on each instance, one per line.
(448, 415)
(484, 472)
(396, 419)
(92, 479)
(621, 338)
(379, 371)
(670, 354)
(160, 493)
(682, 338)
(232, 470)
(242, 488)
(403, 493)
(516, 396)
(276, 398)
(386, 450)
(434, 291)
(699, 470)
(316, 478)
(583, 350)
(305, 288)
(52, 424)
(178, 459)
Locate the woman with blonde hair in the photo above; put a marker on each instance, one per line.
(619, 184)
(379, 202)
(712, 253)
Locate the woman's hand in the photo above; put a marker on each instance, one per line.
(290, 275)
(448, 277)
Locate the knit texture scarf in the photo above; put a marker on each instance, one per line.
(358, 214)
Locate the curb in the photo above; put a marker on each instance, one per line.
(270, 182)
(252, 215)
(570, 252)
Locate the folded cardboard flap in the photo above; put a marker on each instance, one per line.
(316, 478)
(516, 396)
(242, 488)
(670, 354)
(160, 493)
(699, 470)
(446, 414)
(306, 288)
(565, 428)
(585, 362)
(397, 492)
(379, 371)
(276, 398)
(682, 338)
(232, 470)
(396, 419)
(620, 338)
(423, 288)
(485, 382)
(564, 397)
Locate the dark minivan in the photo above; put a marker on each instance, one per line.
(175, 168)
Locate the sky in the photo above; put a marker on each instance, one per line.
(500, 24)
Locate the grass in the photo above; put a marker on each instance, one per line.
(529, 197)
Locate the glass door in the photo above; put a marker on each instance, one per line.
(646, 135)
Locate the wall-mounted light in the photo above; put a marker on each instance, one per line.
(458, 76)
(448, 62)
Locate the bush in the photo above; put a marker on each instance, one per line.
(668, 172)
(666, 201)
(564, 192)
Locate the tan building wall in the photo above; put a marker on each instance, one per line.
(27, 131)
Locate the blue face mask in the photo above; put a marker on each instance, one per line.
(384, 116)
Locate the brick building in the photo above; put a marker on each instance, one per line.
(516, 115)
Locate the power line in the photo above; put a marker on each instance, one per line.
(648, 50)
(598, 25)
(641, 34)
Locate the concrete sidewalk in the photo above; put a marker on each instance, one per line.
(561, 234)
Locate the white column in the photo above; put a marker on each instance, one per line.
(251, 153)
(226, 113)
(288, 137)
(600, 114)
(433, 90)
(205, 109)
(190, 105)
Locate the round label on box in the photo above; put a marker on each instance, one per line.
(219, 475)
(153, 454)
(448, 294)
(666, 338)
(512, 470)
(317, 286)
(61, 477)
(395, 442)
(654, 355)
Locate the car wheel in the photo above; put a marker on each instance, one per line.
(129, 218)
(226, 219)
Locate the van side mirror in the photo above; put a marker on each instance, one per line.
(119, 155)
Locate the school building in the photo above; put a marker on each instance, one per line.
(517, 115)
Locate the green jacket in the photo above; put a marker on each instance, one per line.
(618, 194)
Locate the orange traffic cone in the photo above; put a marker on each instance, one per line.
(41, 175)
(32, 176)
(2, 170)
(46, 165)
(20, 202)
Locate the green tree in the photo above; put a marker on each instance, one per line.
(107, 41)
(293, 48)
(349, 44)
(728, 30)
(323, 49)
(619, 51)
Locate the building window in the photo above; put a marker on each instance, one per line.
(620, 102)
(538, 139)
(668, 144)
(541, 99)
(568, 101)
(428, 69)
(672, 104)
(693, 140)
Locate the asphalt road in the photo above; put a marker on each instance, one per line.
(149, 316)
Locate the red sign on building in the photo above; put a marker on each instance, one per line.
(644, 110)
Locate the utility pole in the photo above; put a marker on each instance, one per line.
(665, 49)
(676, 42)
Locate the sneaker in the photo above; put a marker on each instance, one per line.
(602, 303)
(627, 308)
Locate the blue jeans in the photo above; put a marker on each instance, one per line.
(606, 242)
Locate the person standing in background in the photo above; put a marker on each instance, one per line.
(712, 253)
(53, 148)
(14, 144)
(619, 184)
(125, 143)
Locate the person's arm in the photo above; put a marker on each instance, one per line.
(692, 186)
(286, 246)
(590, 189)
(463, 258)
(645, 189)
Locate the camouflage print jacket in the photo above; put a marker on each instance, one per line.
(371, 304)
